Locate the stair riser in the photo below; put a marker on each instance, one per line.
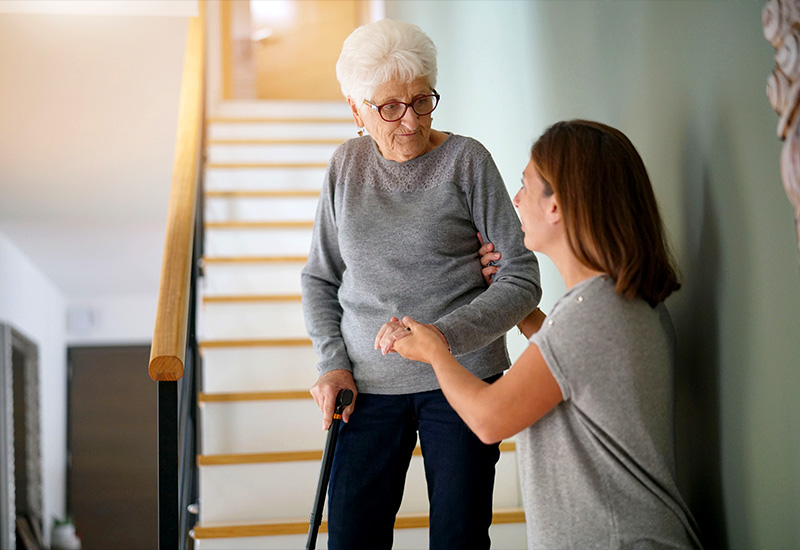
(257, 492)
(277, 130)
(224, 209)
(271, 179)
(260, 278)
(222, 321)
(245, 153)
(261, 426)
(505, 536)
(258, 369)
(257, 242)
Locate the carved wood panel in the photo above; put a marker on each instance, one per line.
(781, 22)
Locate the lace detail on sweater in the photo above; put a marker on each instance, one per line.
(361, 158)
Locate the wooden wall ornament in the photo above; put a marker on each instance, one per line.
(781, 22)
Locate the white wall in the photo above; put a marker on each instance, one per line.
(33, 305)
(685, 81)
(112, 320)
(89, 107)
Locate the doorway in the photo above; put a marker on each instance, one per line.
(286, 49)
(112, 483)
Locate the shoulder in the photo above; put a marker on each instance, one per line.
(593, 314)
(353, 155)
(594, 334)
(354, 147)
(470, 164)
(466, 148)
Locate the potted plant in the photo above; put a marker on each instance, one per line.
(64, 536)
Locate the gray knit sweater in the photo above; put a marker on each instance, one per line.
(394, 239)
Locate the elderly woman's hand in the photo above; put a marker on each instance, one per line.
(325, 390)
(388, 334)
(488, 257)
(421, 343)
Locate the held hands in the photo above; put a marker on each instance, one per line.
(419, 341)
(394, 330)
(325, 390)
(388, 334)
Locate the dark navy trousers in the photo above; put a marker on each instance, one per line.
(370, 462)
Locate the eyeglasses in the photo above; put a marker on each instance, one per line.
(395, 110)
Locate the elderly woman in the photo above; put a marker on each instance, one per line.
(593, 394)
(395, 234)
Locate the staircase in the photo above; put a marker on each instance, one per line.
(261, 435)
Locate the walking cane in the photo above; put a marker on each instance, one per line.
(343, 399)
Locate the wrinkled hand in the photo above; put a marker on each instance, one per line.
(388, 334)
(325, 390)
(421, 343)
(488, 255)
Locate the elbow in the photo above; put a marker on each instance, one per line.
(487, 431)
(489, 439)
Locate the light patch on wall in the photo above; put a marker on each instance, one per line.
(163, 8)
(81, 320)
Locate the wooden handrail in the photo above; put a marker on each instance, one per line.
(167, 353)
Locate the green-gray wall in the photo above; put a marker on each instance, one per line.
(685, 81)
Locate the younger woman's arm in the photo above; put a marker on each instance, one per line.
(493, 412)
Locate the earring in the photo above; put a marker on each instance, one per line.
(360, 132)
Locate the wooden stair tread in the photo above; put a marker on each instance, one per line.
(247, 298)
(292, 456)
(262, 193)
(253, 259)
(300, 526)
(204, 397)
(290, 224)
(255, 342)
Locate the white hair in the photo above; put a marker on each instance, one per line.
(378, 52)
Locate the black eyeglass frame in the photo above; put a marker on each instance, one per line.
(378, 108)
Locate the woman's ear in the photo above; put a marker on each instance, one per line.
(356, 115)
(553, 212)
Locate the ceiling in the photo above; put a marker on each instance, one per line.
(88, 112)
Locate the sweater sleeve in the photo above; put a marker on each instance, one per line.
(320, 281)
(516, 288)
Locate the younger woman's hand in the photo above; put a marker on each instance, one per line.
(488, 260)
(421, 343)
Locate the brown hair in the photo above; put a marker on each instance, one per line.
(609, 210)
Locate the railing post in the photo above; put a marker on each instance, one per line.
(168, 474)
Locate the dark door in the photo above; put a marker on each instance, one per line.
(113, 478)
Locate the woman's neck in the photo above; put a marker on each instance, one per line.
(572, 270)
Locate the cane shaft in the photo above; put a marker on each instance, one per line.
(343, 399)
(322, 484)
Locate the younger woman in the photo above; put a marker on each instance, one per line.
(593, 394)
